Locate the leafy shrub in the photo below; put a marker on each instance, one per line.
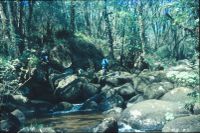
(195, 98)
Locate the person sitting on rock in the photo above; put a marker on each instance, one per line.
(104, 65)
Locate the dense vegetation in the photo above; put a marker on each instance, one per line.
(139, 37)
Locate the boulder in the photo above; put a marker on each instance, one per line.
(13, 122)
(62, 106)
(156, 90)
(110, 102)
(105, 101)
(69, 89)
(126, 91)
(177, 95)
(19, 115)
(114, 112)
(151, 114)
(74, 89)
(146, 78)
(106, 126)
(40, 106)
(19, 99)
(89, 90)
(180, 68)
(183, 124)
(134, 100)
(115, 78)
(60, 57)
(90, 105)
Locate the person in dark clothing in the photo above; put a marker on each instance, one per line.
(45, 63)
(104, 65)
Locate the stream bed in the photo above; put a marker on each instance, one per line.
(74, 120)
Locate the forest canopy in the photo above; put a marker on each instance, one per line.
(164, 28)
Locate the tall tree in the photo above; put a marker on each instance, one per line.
(141, 24)
(108, 30)
(13, 50)
(72, 16)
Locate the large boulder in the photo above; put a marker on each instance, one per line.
(105, 101)
(177, 95)
(74, 89)
(156, 90)
(76, 52)
(126, 91)
(183, 124)
(13, 123)
(62, 106)
(146, 78)
(60, 57)
(151, 114)
(115, 78)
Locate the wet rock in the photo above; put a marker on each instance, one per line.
(62, 106)
(183, 124)
(40, 106)
(177, 95)
(151, 114)
(91, 105)
(114, 112)
(156, 90)
(106, 126)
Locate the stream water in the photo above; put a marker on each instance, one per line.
(74, 120)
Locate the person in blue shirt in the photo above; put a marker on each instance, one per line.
(104, 64)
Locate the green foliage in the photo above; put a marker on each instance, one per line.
(195, 98)
(29, 58)
(83, 37)
(184, 78)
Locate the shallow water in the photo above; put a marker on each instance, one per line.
(70, 122)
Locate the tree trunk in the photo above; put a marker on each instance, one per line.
(20, 30)
(5, 39)
(109, 31)
(141, 24)
(72, 17)
(29, 23)
(13, 50)
(3, 19)
(86, 15)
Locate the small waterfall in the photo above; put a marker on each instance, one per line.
(75, 108)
